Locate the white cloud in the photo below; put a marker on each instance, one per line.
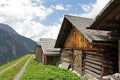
(52, 30)
(59, 7)
(85, 7)
(92, 12)
(19, 14)
(23, 9)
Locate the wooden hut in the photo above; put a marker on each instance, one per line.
(38, 53)
(109, 20)
(83, 48)
(50, 55)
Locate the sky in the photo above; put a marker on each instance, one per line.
(42, 18)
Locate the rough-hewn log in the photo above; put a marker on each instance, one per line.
(94, 62)
(94, 58)
(93, 65)
(93, 69)
(93, 73)
(95, 55)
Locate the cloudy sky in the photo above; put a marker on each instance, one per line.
(42, 18)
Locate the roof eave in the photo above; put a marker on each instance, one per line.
(102, 15)
(62, 33)
(59, 36)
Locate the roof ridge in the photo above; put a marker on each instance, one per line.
(67, 15)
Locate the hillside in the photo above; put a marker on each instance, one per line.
(29, 69)
(13, 45)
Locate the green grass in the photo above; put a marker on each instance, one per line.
(37, 71)
(10, 63)
(10, 74)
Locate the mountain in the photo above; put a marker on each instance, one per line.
(13, 45)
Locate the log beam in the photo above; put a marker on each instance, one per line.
(119, 56)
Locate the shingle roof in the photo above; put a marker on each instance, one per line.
(48, 46)
(82, 23)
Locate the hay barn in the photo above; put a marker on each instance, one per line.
(50, 55)
(109, 20)
(86, 50)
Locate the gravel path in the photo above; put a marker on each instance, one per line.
(2, 71)
(18, 75)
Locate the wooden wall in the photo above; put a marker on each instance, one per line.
(92, 61)
(51, 59)
(119, 55)
(102, 61)
(73, 47)
(67, 56)
(74, 58)
(76, 40)
(38, 53)
(78, 61)
(43, 59)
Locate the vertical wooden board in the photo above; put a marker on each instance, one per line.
(76, 40)
(78, 61)
(119, 55)
(38, 51)
(52, 60)
(43, 58)
(66, 56)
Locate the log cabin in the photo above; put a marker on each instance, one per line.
(50, 55)
(85, 49)
(109, 20)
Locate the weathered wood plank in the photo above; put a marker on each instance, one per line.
(119, 55)
(94, 57)
(94, 62)
(93, 69)
(95, 54)
(65, 59)
(78, 60)
(93, 65)
(93, 73)
(76, 40)
(110, 61)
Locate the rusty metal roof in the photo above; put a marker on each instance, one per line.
(48, 46)
(81, 24)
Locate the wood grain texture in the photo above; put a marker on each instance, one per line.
(77, 40)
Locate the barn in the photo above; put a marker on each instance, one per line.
(85, 50)
(109, 20)
(50, 55)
